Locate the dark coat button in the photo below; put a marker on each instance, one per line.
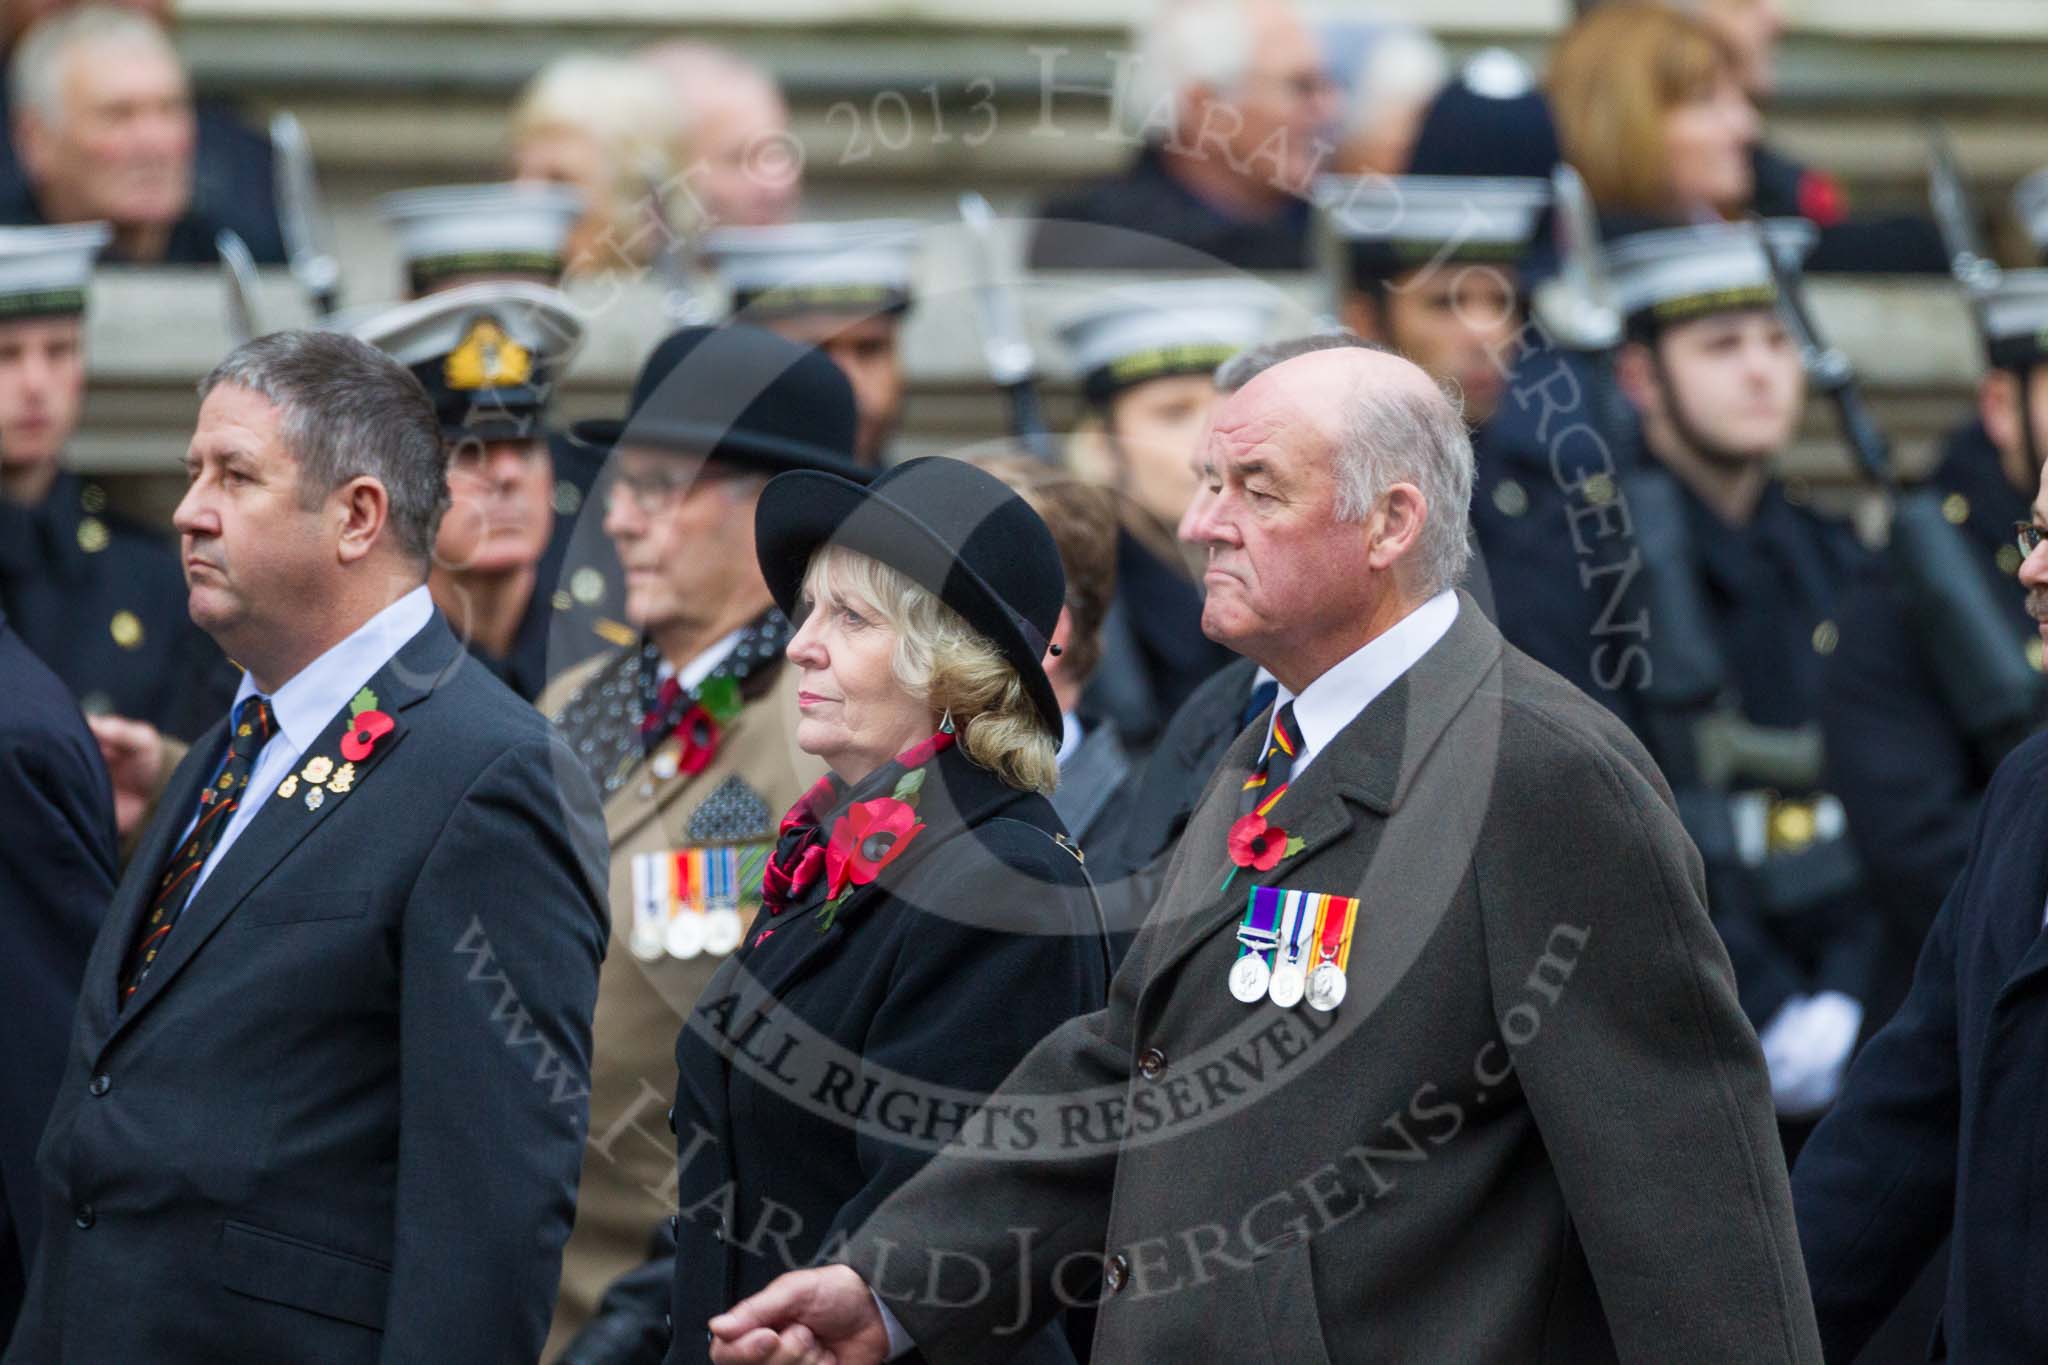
(1151, 1064)
(1117, 1273)
(101, 1084)
(84, 1218)
(671, 1118)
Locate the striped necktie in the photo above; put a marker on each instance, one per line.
(1268, 782)
(249, 729)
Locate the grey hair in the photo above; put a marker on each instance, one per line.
(1253, 361)
(1389, 435)
(36, 72)
(1186, 43)
(350, 411)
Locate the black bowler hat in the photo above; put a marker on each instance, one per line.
(953, 529)
(740, 395)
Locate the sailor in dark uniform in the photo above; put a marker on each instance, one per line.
(1146, 357)
(1700, 598)
(488, 354)
(844, 288)
(99, 598)
(517, 231)
(1911, 754)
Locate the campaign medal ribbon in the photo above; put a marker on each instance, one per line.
(1290, 976)
(686, 902)
(1256, 939)
(1327, 982)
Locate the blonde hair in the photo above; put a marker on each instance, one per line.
(954, 667)
(1615, 77)
(621, 106)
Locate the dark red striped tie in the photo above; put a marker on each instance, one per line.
(248, 730)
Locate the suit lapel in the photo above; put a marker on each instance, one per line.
(280, 824)
(102, 992)
(1363, 773)
(2024, 939)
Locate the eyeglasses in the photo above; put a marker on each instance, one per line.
(656, 491)
(2028, 536)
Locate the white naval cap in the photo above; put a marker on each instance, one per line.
(1671, 275)
(487, 353)
(1161, 328)
(2014, 316)
(514, 228)
(46, 271)
(863, 266)
(2030, 205)
(1394, 223)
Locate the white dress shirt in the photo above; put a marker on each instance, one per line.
(699, 668)
(1347, 687)
(312, 697)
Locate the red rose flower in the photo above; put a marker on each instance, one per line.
(698, 733)
(1255, 844)
(867, 839)
(370, 726)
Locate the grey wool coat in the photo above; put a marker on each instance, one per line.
(1537, 1128)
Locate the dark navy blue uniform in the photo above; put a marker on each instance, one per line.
(101, 600)
(1903, 764)
(57, 873)
(1161, 224)
(1154, 654)
(1939, 1128)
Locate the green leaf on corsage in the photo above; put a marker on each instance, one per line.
(908, 786)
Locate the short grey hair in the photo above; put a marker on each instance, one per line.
(350, 411)
(36, 72)
(1387, 436)
(1186, 43)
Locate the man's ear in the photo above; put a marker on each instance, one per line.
(1395, 526)
(365, 511)
(1998, 408)
(1635, 375)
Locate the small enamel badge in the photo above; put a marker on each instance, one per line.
(343, 779)
(317, 768)
(289, 787)
(314, 796)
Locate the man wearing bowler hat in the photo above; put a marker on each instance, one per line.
(689, 735)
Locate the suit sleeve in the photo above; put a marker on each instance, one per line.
(56, 881)
(928, 1244)
(501, 946)
(1875, 1188)
(1617, 1007)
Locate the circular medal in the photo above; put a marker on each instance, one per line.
(1326, 987)
(646, 944)
(1248, 978)
(664, 765)
(1288, 983)
(722, 931)
(685, 936)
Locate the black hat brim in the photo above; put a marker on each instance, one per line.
(802, 511)
(742, 450)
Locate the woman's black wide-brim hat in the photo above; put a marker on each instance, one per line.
(740, 395)
(953, 529)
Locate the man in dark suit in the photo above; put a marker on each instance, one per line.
(57, 870)
(1936, 1133)
(1464, 1153)
(327, 1091)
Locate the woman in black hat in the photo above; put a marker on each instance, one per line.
(925, 918)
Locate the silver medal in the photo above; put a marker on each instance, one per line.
(685, 935)
(646, 944)
(1289, 981)
(722, 930)
(1248, 978)
(664, 764)
(1326, 987)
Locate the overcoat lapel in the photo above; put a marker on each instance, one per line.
(281, 824)
(1358, 781)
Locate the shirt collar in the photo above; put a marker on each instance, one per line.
(1346, 688)
(316, 693)
(1070, 737)
(699, 668)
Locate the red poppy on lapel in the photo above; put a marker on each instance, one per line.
(1255, 844)
(361, 740)
(698, 733)
(867, 839)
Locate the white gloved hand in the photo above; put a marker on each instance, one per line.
(1807, 1049)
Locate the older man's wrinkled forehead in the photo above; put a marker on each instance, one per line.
(1300, 404)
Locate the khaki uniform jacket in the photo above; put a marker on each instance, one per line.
(629, 1167)
(1536, 1129)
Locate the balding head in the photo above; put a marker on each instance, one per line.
(1341, 484)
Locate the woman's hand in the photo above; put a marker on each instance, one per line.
(825, 1316)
